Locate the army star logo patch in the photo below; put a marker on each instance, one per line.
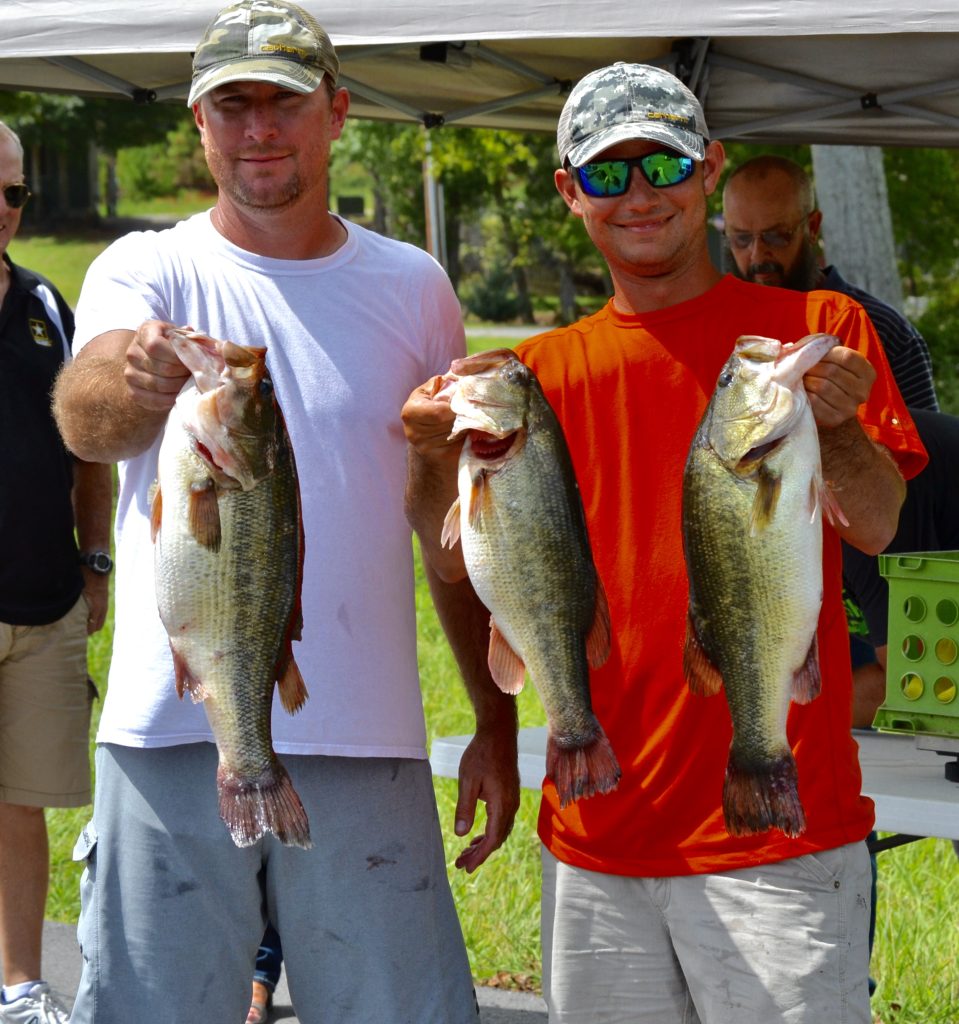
(38, 329)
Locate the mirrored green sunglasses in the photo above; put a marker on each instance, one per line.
(611, 177)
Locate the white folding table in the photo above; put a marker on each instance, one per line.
(912, 795)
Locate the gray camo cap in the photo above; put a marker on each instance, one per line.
(263, 41)
(629, 101)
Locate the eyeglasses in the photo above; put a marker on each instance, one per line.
(15, 196)
(611, 177)
(774, 238)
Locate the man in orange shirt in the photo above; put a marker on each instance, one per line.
(651, 911)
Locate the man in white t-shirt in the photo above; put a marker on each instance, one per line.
(172, 910)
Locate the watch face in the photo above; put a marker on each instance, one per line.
(99, 561)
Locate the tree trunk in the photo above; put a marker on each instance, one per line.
(524, 305)
(111, 186)
(857, 225)
(567, 294)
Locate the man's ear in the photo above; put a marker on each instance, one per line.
(566, 187)
(339, 106)
(713, 166)
(815, 224)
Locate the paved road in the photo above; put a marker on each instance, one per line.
(511, 331)
(61, 967)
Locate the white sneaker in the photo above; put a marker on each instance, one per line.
(37, 1007)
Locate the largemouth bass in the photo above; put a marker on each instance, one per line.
(753, 496)
(520, 520)
(228, 562)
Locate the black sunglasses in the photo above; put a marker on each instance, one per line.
(15, 196)
(611, 177)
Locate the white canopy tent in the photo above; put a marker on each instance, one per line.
(882, 72)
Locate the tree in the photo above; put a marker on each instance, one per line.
(923, 185)
(59, 134)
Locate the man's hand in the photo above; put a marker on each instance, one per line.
(153, 372)
(863, 476)
(96, 594)
(431, 477)
(488, 772)
(428, 420)
(837, 385)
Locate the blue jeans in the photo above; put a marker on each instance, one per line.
(269, 959)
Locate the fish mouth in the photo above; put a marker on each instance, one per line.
(795, 360)
(224, 477)
(481, 363)
(754, 456)
(492, 449)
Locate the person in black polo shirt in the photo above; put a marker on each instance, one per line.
(928, 521)
(51, 598)
(772, 229)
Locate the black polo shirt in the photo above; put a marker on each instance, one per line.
(40, 576)
(928, 521)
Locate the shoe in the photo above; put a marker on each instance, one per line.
(39, 1006)
(262, 1000)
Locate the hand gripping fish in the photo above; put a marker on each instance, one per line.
(520, 519)
(752, 532)
(228, 564)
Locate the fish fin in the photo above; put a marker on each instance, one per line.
(205, 515)
(451, 526)
(479, 496)
(830, 504)
(583, 770)
(252, 807)
(599, 638)
(505, 665)
(807, 682)
(769, 485)
(293, 692)
(701, 673)
(763, 795)
(186, 681)
(156, 511)
(296, 615)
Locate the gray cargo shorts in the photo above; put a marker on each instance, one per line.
(173, 912)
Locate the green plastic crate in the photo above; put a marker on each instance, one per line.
(922, 676)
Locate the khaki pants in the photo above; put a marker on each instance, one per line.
(783, 943)
(45, 703)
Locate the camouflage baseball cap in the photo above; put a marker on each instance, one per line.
(263, 41)
(629, 101)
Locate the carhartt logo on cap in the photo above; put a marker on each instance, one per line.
(263, 41)
(280, 48)
(629, 101)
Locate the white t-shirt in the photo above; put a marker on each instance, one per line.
(349, 336)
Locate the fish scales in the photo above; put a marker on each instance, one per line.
(228, 563)
(213, 594)
(760, 612)
(506, 544)
(752, 533)
(526, 547)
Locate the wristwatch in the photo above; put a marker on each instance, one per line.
(99, 562)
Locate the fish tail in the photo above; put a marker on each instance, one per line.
(761, 795)
(583, 769)
(269, 803)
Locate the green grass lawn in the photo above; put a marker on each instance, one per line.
(916, 960)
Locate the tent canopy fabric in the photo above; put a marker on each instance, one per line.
(863, 72)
